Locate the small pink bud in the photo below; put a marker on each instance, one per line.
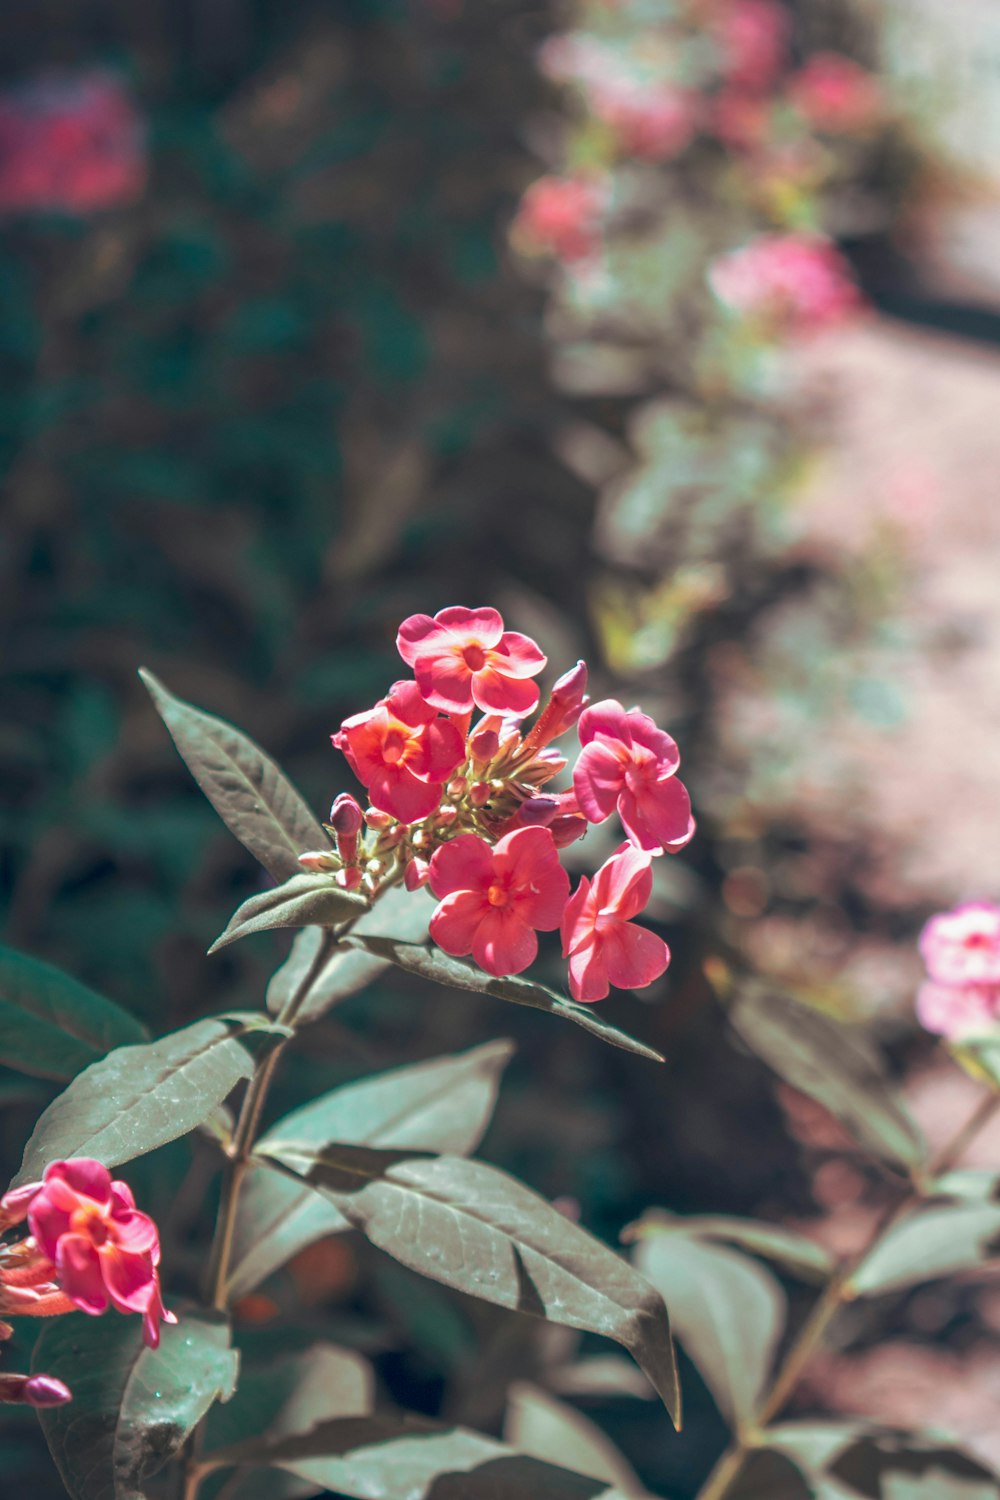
(415, 874)
(350, 879)
(318, 860)
(538, 811)
(456, 787)
(447, 816)
(479, 793)
(46, 1390)
(566, 704)
(570, 690)
(483, 745)
(379, 821)
(14, 1205)
(346, 815)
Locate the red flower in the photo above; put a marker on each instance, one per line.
(789, 283)
(493, 900)
(835, 93)
(402, 752)
(628, 763)
(963, 946)
(104, 1251)
(464, 657)
(753, 35)
(652, 123)
(603, 945)
(560, 216)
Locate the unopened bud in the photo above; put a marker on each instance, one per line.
(570, 690)
(538, 812)
(317, 860)
(456, 787)
(447, 816)
(415, 874)
(479, 793)
(14, 1205)
(34, 1390)
(483, 745)
(566, 703)
(349, 880)
(377, 820)
(346, 815)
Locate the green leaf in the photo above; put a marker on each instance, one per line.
(538, 1424)
(249, 792)
(285, 982)
(51, 1025)
(399, 914)
(440, 968)
(834, 1064)
(374, 1457)
(473, 1228)
(769, 1475)
(302, 901)
(728, 1314)
(797, 1254)
(132, 1407)
(443, 1105)
(928, 1244)
(138, 1098)
(977, 1183)
(855, 1461)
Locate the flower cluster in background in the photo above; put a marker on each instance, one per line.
(70, 143)
(960, 999)
(457, 803)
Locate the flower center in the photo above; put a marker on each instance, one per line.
(497, 894)
(393, 747)
(89, 1222)
(474, 657)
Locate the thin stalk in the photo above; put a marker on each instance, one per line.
(835, 1293)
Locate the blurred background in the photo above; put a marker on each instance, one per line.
(671, 328)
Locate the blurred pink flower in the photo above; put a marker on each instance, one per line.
(790, 283)
(463, 658)
(655, 123)
(628, 763)
(71, 143)
(402, 752)
(958, 1012)
(493, 900)
(739, 119)
(753, 38)
(602, 943)
(962, 946)
(560, 216)
(834, 93)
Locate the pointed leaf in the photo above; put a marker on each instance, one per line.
(834, 1064)
(797, 1254)
(138, 1098)
(543, 1427)
(51, 1025)
(132, 1407)
(302, 901)
(399, 914)
(249, 792)
(929, 1244)
(291, 1394)
(442, 1105)
(728, 1314)
(474, 1228)
(376, 1457)
(440, 968)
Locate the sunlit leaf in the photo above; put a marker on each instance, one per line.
(440, 968)
(543, 1427)
(474, 1228)
(132, 1407)
(250, 793)
(802, 1256)
(377, 1457)
(931, 1243)
(302, 901)
(51, 1025)
(833, 1063)
(138, 1098)
(443, 1105)
(728, 1314)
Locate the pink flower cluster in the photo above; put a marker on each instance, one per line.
(459, 805)
(961, 949)
(786, 283)
(561, 217)
(70, 143)
(89, 1247)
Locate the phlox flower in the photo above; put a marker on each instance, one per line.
(103, 1250)
(791, 283)
(602, 943)
(959, 1012)
(464, 658)
(402, 752)
(494, 900)
(753, 37)
(834, 93)
(560, 216)
(629, 764)
(652, 123)
(962, 947)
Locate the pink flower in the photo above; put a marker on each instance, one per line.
(34, 1390)
(103, 1249)
(962, 947)
(494, 900)
(790, 283)
(560, 216)
(602, 943)
(402, 752)
(654, 124)
(739, 119)
(628, 763)
(753, 36)
(464, 657)
(959, 1012)
(834, 93)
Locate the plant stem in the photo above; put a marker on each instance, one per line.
(835, 1293)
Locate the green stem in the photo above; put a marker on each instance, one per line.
(835, 1293)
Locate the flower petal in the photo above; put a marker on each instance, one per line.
(442, 750)
(456, 921)
(634, 956)
(624, 882)
(495, 693)
(539, 886)
(129, 1278)
(48, 1222)
(644, 732)
(577, 925)
(503, 943)
(135, 1232)
(598, 777)
(83, 1175)
(79, 1270)
(393, 790)
(522, 657)
(464, 864)
(608, 718)
(445, 680)
(483, 625)
(417, 635)
(588, 975)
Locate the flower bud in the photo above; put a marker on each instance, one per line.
(379, 821)
(456, 787)
(46, 1390)
(415, 874)
(479, 793)
(566, 703)
(14, 1205)
(483, 745)
(447, 816)
(317, 860)
(349, 879)
(538, 812)
(346, 815)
